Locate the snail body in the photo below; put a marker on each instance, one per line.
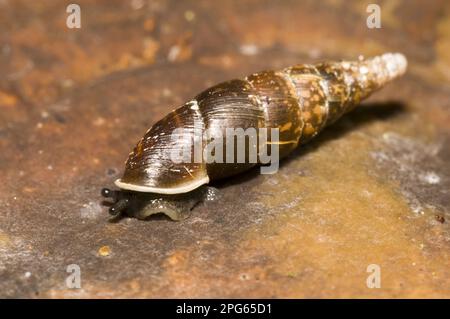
(289, 106)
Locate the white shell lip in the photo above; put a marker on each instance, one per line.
(169, 191)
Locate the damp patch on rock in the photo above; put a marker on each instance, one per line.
(418, 169)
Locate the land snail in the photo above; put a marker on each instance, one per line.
(288, 107)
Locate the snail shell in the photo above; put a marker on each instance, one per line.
(299, 101)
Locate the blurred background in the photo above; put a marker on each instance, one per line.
(371, 190)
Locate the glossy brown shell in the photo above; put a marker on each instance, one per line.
(300, 101)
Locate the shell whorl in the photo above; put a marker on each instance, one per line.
(319, 94)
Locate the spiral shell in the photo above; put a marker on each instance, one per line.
(299, 101)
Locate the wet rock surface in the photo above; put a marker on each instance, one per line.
(372, 189)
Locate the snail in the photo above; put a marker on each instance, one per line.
(294, 104)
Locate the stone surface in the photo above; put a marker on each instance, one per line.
(372, 189)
